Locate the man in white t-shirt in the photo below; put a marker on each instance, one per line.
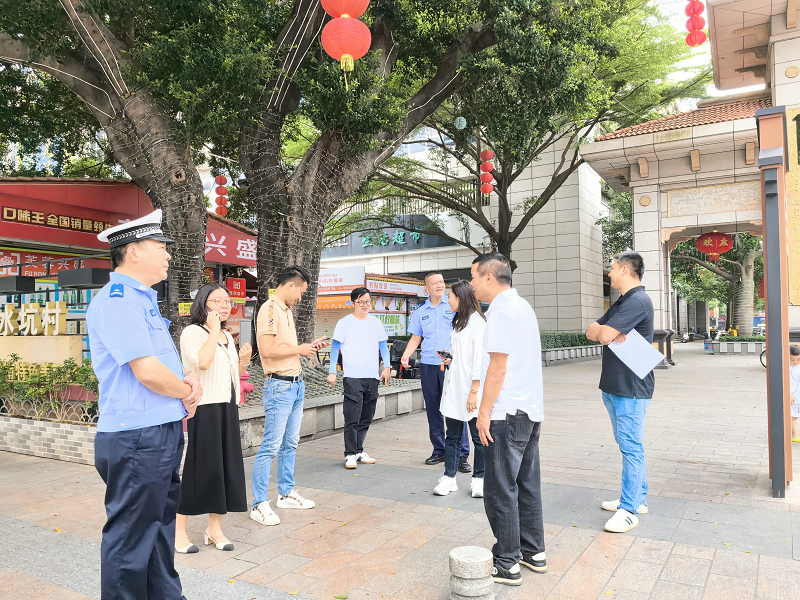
(359, 337)
(509, 420)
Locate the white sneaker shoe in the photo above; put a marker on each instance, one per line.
(476, 487)
(445, 486)
(365, 458)
(350, 461)
(613, 505)
(622, 521)
(264, 514)
(294, 500)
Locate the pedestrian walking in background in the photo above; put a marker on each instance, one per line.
(213, 480)
(284, 392)
(625, 394)
(144, 396)
(509, 421)
(360, 338)
(794, 388)
(461, 399)
(431, 325)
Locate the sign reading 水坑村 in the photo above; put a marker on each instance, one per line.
(33, 319)
(393, 324)
(340, 279)
(400, 288)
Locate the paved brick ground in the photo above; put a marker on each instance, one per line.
(714, 531)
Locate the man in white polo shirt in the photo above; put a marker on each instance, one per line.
(509, 420)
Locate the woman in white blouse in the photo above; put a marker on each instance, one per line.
(461, 395)
(213, 481)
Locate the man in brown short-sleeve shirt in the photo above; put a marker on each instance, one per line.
(284, 392)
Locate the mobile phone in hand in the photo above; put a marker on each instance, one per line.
(444, 354)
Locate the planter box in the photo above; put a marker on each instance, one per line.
(562, 356)
(72, 443)
(738, 347)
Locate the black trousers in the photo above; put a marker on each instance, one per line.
(140, 470)
(512, 492)
(360, 399)
(432, 380)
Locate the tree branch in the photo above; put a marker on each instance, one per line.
(724, 274)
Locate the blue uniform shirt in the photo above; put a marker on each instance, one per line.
(434, 324)
(124, 323)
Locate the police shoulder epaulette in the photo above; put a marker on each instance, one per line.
(117, 291)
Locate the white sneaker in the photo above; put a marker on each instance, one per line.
(445, 486)
(622, 521)
(476, 487)
(613, 505)
(264, 514)
(365, 458)
(350, 461)
(294, 500)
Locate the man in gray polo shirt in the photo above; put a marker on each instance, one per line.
(509, 419)
(625, 395)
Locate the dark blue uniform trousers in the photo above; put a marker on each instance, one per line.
(432, 379)
(140, 470)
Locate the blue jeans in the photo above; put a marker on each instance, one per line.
(283, 413)
(627, 420)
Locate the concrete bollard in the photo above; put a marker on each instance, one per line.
(471, 573)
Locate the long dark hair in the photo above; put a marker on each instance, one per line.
(198, 312)
(467, 304)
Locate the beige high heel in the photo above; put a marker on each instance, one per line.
(190, 549)
(209, 540)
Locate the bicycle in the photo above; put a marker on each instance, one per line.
(764, 359)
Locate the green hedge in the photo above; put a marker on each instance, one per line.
(565, 340)
(742, 338)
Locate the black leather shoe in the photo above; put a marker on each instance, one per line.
(510, 576)
(535, 562)
(464, 466)
(435, 459)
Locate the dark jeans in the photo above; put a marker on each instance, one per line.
(512, 492)
(140, 470)
(432, 379)
(455, 430)
(360, 399)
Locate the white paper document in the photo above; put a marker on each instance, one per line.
(637, 354)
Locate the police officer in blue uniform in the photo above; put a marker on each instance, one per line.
(144, 396)
(431, 324)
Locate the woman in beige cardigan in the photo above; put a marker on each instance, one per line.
(213, 479)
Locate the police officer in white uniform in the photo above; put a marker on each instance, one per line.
(144, 395)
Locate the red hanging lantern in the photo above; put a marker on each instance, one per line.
(346, 40)
(340, 8)
(221, 191)
(487, 188)
(486, 177)
(221, 201)
(695, 23)
(487, 167)
(696, 38)
(221, 211)
(220, 180)
(714, 244)
(695, 7)
(487, 155)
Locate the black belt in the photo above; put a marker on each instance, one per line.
(286, 377)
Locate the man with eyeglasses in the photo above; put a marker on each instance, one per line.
(359, 337)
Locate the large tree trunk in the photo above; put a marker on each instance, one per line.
(744, 296)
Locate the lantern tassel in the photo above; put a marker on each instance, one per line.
(347, 62)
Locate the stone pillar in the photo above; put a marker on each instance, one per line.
(702, 320)
(471, 573)
(647, 242)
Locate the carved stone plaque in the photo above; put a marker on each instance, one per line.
(714, 199)
(645, 201)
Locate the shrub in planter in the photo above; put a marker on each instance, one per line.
(742, 338)
(565, 340)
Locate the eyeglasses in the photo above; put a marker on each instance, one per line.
(221, 302)
(365, 303)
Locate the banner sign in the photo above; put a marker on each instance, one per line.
(61, 262)
(396, 287)
(393, 324)
(237, 288)
(340, 279)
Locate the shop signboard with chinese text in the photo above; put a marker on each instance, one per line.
(9, 257)
(228, 245)
(395, 287)
(34, 319)
(340, 279)
(237, 288)
(393, 324)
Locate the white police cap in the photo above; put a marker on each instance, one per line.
(147, 227)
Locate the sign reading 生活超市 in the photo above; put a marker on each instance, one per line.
(34, 319)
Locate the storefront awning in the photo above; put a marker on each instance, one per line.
(330, 302)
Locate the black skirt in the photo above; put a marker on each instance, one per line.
(213, 473)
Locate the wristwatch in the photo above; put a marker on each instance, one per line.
(473, 391)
